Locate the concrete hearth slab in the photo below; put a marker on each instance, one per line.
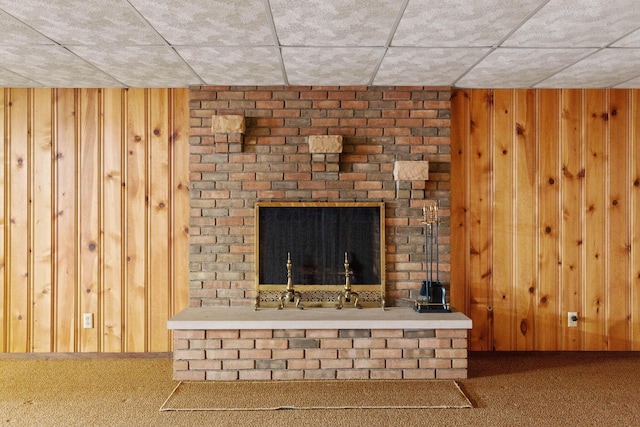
(209, 318)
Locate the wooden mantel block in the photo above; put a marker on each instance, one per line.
(228, 124)
(411, 170)
(323, 144)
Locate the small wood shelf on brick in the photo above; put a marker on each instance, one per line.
(325, 149)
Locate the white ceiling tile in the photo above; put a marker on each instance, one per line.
(328, 42)
(515, 68)
(577, 23)
(208, 22)
(633, 83)
(334, 22)
(234, 65)
(83, 22)
(15, 33)
(9, 79)
(330, 66)
(426, 66)
(454, 23)
(53, 66)
(606, 68)
(140, 66)
(631, 40)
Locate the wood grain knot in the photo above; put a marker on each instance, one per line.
(524, 327)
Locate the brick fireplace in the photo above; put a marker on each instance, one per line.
(269, 160)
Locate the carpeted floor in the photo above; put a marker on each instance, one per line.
(507, 389)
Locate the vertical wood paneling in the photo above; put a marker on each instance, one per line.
(563, 192)
(634, 155)
(460, 134)
(523, 205)
(112, 243)
(42, 266)
(179, 149)
(503, 221)
(548, 319)
(65, 189)
(572, 237)
(618, 280)
(89, 213)
(18, 213)
(480, 247)
(159, 290)
(94, 212)
(4, 283)
(594, 315)
(137, 221)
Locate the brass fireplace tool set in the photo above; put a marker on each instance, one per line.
(291, 296)
(432, 293)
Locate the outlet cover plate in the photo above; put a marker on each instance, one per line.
(87, 320)
(572, 319)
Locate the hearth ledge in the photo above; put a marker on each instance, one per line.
(219, 318)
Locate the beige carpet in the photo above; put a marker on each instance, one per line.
(507, 389)
(353, 394)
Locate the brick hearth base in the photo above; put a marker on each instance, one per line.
(269, 344)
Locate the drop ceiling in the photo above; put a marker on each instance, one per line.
(462, 43)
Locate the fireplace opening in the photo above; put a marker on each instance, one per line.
(319, 238)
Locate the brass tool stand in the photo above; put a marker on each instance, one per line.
(290, 295)
(433, 294)
(346, 294)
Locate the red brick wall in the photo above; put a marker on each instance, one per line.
(379, 125)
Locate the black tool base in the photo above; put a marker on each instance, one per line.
(429, 307)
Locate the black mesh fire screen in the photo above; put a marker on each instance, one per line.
(317, 237)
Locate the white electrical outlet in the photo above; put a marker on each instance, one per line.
(87, 320)
(572, 319)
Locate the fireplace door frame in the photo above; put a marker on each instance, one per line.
(323, 294)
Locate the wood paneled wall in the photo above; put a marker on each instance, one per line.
(545, 217)
(94, 218)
